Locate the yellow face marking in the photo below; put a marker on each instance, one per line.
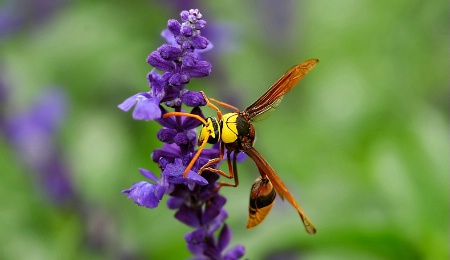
(229, 128)
(207, 130)
(210, 131)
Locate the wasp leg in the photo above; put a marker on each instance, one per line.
(207, 166)
(220, 103)
(223, 104)
(232, 172)
(211, 105)
(199, 118)
(194, 159)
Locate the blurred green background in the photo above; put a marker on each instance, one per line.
(362, 142)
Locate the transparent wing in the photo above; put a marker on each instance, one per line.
(273, 96)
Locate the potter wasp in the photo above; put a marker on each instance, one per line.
(236, 133)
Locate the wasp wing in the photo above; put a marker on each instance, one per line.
(279, 186)
(272, 97)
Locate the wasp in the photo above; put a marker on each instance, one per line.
(236, 133)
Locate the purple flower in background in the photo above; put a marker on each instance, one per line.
(32, 135)
(195, 198)
(26, 14)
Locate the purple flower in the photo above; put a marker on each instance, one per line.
(32, 135)
(146, 194)
(18, 15)
(180, 56)
(147, 103)
(194, 197)
(174, 174)
(146, 106)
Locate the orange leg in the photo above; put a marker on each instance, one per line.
(232, 168)
(194, 159)
(200, 149)
(233, 172)
(199, 118)
(223, 104)
(213, 161)
(211, 105)
(220, 103)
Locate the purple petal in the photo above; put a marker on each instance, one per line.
(241, 157)
(172, 92)
(186, 31)
(168, 122)
(200, 24)
(212, 209)
(169, 52)
(174, 27)
(186, 45)
(148, 174)
(147, 109)
(162, 162)
(192, 137)
(128, 103)
(190, 59)
(193, 98)
(159, 63)
(179, 40)
(190, 122)
(169, 37)
(199, 42)
(145, 194)
(175, 79)
(196, 241)
(208, 47)
(210, 153)
(218, 221)
(224, 237)
(195, 178)
(234, 253)
(157, 84)
(201, 69)
(174, 173)
(174, 202)
(169, 152)
(211, 177)
(159, 191)
(188, 216)
(184, 15)
(185, 78)
(181, 139)
(166, 135)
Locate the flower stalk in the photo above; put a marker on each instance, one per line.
(195, 198)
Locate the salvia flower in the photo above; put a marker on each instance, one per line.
(26, 14)
(195, 198)
(32, 135)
